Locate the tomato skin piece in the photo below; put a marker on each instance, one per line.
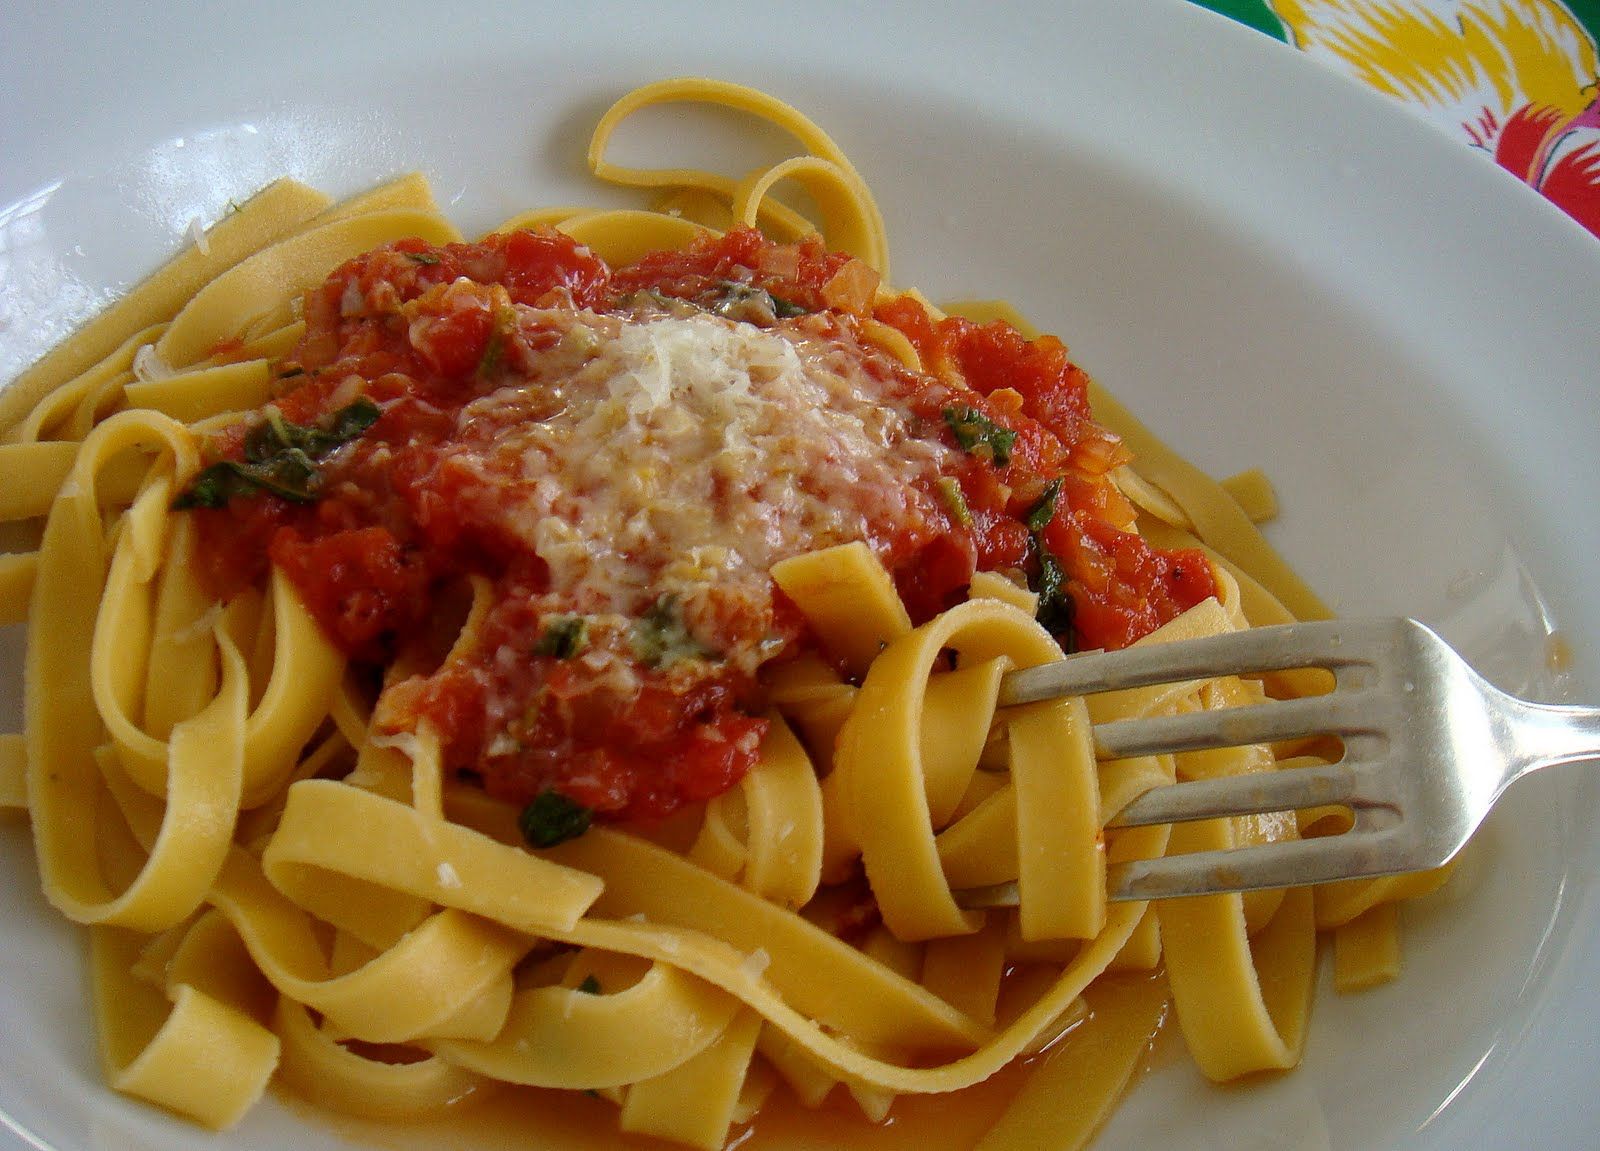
(539, 263)
(232, 551)
(456, 342)
(1123, 588)
(359, 585)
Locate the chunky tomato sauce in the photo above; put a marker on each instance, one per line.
(613, 458)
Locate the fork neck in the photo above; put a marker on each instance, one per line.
(1552, 734)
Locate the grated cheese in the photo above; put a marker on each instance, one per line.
(148, 366)
(683, 456)
(755, 965)
(197, 233)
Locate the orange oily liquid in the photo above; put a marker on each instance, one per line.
(531, 1119)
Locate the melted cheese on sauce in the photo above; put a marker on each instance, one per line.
(683, 455)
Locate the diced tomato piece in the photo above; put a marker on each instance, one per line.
(359, 585)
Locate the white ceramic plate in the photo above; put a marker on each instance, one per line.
(1274, 267)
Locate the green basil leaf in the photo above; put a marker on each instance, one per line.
(564, 636)
(552, 818)
(660, 638)
(980, 436)
(1044, 508)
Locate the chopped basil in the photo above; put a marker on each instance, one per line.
(279, 458)
(590, 985)
(978, 435)
(954, 501)
(552, 818)
(494, 352)
(427, 258)
(1055, 609)
(218, 484)
(564, 636)
(276, 435)
(1044, 508)
(659, 637)
(787, 309)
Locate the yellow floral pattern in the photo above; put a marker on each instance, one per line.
(1517, 79)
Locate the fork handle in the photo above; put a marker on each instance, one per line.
(1546, 735)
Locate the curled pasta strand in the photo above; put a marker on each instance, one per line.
(854, 213)
(192, 1053)
(331, 1074)
(881, 763)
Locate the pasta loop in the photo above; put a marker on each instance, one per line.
(852, 217)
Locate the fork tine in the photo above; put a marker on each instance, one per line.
(1319, 643)
(1342, 713)
(1240, 795)
(1291, 863)
(1356, 854)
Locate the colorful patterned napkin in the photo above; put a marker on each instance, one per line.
(1515, 79)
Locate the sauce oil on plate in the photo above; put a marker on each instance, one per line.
(520, 1118)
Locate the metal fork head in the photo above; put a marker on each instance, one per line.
(1429, 746)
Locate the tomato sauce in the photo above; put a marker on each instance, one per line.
(589, 672)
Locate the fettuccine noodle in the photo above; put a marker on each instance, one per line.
(278, 884)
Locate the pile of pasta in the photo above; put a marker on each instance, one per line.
(272, 889)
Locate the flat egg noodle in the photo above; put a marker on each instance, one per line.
(1072, 1093)
(848, 600)
(331, 1074)
(63, 725)
(426, 980)
(13, 772)
(569, 1038)
(621, 237)
(35, 472)
(274, 212)
(782, 851)
(1366, 950)
(880, 761)
(197, 395)
(851, 216)
(51, 417)
(191, 1053)
(18, 571)
(694, 1103)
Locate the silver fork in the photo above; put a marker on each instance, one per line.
(1429, 747)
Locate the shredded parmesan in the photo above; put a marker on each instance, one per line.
(148, 366)
(755, 964)
(447, 875)
(197, 234)
(682, 456)
(403, 741)
(202, 625)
